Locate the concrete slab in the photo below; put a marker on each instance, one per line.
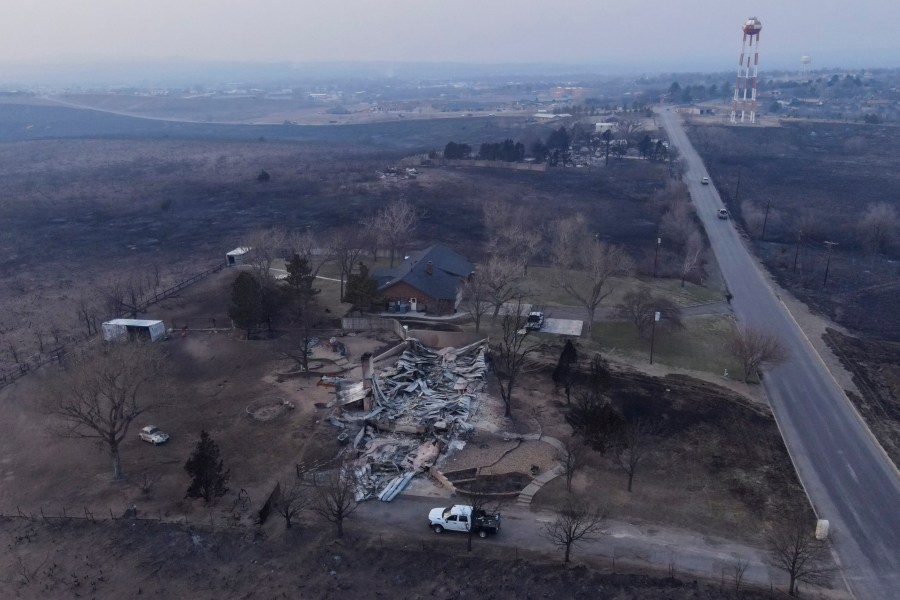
(562, 326)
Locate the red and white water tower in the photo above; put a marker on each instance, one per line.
(747, 71)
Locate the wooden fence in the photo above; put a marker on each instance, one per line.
(38, 360)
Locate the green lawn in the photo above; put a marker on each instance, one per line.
(543, 291)
(699, 346)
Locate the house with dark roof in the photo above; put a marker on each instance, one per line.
(427, 280)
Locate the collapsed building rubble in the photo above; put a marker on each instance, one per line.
(418, 407)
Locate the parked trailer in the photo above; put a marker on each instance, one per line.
(129, 330)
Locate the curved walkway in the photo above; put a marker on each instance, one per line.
(527, 494)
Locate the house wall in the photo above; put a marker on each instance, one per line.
(402, 291)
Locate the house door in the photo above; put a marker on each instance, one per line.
(412, 305)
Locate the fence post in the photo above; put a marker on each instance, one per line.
(65, 516)
(111, 517)
(42, 514)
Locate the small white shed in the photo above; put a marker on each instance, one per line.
(236, 256)
(129, 330)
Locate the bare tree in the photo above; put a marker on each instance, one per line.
(738, 569)
(105, 389)
(512, 234)
(39, 335)
(755, 348)
(125, 296)
(512, 354)
(346, 246)
(396, 223)
(640, 307)
(334, 495)
(753, 216)
(299, 334)
(574, 458)
(636, 441)
(576, 521)
(476, 298)
(305, 313)
(630, 128)
(693, 253)
(13, 352)
(264, 247)
(677, 223)
(86, 314)
(304, 243)
(796, 550)
(585, 267)
(501, 280)
(878, 227)
(294, 497)
(372, 234)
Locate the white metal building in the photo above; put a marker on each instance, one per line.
(236, 256)
(129, 330)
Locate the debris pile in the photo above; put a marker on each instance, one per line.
(418, 406)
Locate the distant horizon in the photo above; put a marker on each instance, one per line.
(122, 71)
(608, 38)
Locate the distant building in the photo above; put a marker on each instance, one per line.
(428, 280)
(602, 128)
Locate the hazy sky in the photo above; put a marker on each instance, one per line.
(650, 35)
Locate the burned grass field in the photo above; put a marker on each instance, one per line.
(794, 187)
(817, 180)
(130, 198)
(169, 560)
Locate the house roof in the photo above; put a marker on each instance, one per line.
(442, 283)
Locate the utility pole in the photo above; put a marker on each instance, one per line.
(797, 252)
(737, 189)
(765, 220)
(656, 257)
(653, 334)
(830, 246)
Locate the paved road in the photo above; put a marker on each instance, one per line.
(847, 476)
(630, 545)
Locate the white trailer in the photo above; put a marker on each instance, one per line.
(129, 330)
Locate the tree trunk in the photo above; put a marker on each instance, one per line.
(590, 324)
(340, 527)
(630, 479)
(287, 522)
(568, 549)
(792, 589)
(118, 473)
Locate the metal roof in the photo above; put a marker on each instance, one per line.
(448, 268)
(133, 322)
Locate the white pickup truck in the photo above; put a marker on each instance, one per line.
(459, 518)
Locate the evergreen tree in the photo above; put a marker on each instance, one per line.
(208, 477)
(246, 308)
(362, 289)
(564, 373)
(300, 280)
